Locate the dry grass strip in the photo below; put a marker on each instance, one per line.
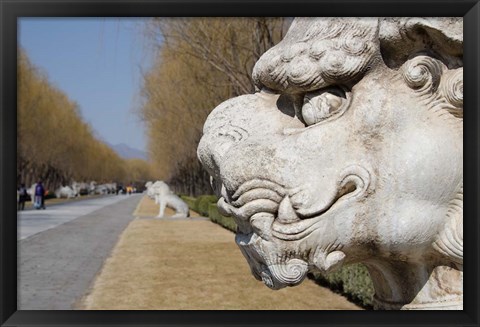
(185, 264)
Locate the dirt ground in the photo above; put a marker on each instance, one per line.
(190, 264)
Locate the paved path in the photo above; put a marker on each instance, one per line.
(61, 251)
(31, 222)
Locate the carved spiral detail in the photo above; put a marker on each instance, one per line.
(452, 88)
(354, 45)
(290, 273)
(422, 73)
(335, 66)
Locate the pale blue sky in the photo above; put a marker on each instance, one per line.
(97, 62)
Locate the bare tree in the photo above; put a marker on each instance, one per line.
(53, 142)
(200, 63)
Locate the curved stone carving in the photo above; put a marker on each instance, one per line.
(351, 151)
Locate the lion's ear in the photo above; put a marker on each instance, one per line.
(449, 241)
(439, 37)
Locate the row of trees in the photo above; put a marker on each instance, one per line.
(54, 143)
(200, 63)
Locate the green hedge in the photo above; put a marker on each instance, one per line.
(200, 204)
(190, 201)
(216, 217)
(352, 281)
(203, 202)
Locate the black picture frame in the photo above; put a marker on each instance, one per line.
(11, 10)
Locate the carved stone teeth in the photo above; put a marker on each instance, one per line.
(261, 223)
(223, 207)
(286, 213)
(243, 226)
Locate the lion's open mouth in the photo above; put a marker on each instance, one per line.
(276, 271)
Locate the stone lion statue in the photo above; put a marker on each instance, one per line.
(65, 192)
(164, 197)
(351, 151)
(148, 186)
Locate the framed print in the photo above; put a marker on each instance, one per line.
(336, 139)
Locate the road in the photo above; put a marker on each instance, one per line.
(31, 222)
(61, 249)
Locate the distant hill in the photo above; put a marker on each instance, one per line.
(127, 152)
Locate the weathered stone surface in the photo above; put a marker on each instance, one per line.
(350, 151)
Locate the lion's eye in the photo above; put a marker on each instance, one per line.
(320, 105)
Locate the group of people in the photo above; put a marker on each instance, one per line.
(38, 196)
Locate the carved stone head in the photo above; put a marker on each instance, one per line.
(350, 151)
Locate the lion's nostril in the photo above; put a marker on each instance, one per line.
(215, 144)
(221, 149)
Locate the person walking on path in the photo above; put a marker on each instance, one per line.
(22, 197)
(39, 196)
